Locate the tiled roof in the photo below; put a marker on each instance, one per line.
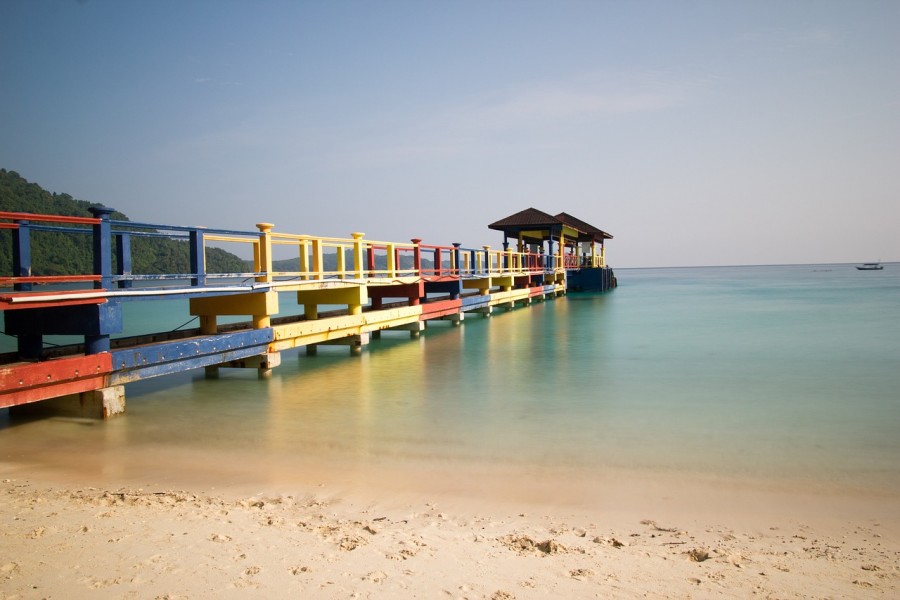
(580, 225)
(527, 217)
(532, 218)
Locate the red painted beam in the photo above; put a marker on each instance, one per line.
(21, 383)
(7, 301)
(440, 308)
(48, 279)
(17, 216)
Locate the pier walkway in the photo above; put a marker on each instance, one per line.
(338, 291)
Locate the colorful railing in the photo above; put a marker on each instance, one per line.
(354, 258)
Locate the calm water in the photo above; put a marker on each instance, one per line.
(787, 373)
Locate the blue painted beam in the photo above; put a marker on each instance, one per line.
(180, 350)
(475, 301)
(185, 364)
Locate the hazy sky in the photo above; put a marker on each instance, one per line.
(719, 132)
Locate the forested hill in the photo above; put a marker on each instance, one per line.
(61, 254)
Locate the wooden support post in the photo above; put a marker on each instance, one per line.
(417, 256)
(29, 345)
(197, 258)
(123, 258)
(265, 252)
(391, 259)
(304, 259)
(102, 246)
(267, 362)
(208, 324)
(358, 260)
(103, 403)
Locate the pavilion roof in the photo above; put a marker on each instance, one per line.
(536, 224)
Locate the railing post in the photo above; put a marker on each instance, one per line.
(318, 262)
(29, 346)
(370, 259)
(454, 263)
(264, 262)
(391, 260)
(487, 259)
(438, 263)
(123, 258)
(102, 246)
(358, 264)
(22, 255)
(417, 256)
(473, 261)
(304, 258)
(198, 258)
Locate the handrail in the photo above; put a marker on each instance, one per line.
(20, 216)
(320, 257)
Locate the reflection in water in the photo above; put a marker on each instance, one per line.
(658, 376)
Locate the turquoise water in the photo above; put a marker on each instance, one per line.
(783, 373)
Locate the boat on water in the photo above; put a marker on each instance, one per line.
(870, 267)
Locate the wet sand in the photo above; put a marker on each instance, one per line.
(629, 537)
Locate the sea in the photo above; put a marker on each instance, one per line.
(785, 374)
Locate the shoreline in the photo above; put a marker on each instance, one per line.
(659, 537)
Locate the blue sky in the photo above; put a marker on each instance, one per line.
(697, 133)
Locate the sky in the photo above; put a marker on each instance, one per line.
(718, 132)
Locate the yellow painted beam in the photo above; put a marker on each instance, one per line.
(255, 303)
(505, 282)
(483, 285)
(302, 333)
(509, 296)
(349, 295)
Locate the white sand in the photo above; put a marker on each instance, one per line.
(697, 540)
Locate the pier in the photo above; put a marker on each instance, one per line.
(340, 291)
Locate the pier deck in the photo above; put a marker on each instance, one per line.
(349, 289)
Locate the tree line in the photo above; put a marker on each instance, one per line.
(57, 253)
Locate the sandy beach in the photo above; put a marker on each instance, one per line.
(65, 541)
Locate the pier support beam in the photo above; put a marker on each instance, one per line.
(263, 363)
(355, 342)
(456, 319)
(103, 403)
(415, 328)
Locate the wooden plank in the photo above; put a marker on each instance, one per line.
(35, 394)
(21, 383)
(440, 308)
(187, 363)
(185, 349)
(19, 216)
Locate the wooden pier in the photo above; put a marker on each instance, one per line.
(350, 289)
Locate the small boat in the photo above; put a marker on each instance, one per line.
(870, 267)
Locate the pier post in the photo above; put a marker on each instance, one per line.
(457, 264)
(267, 362)
(417, 256)
(103, 403)
(123, 258)
(102, 246)
(197, 258)
(261, 321)
(358, 260)
(29, 345)
(264, 260)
